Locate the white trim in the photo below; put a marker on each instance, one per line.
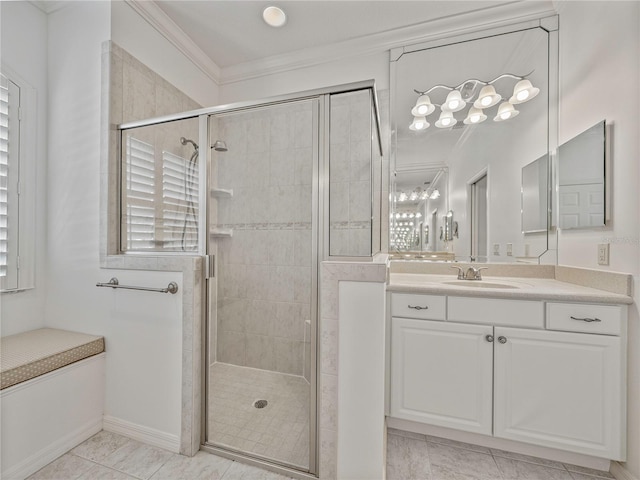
(159, 20)
(481, 19)
(47, 455)
(147, 435)
(621, 473)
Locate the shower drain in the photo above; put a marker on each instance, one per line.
(260, 403)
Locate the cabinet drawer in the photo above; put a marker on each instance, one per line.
(432, 307)
(587, 318)
(509, 313)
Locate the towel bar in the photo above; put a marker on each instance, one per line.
(113, 283)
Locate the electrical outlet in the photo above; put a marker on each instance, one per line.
(603, 254)
(509, 249)
(496, 249)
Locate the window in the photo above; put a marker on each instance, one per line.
(16, 187)
(160, 193)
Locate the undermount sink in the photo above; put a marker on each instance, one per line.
(483, 284)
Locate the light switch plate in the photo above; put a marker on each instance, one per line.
(496, 249)
(603, 254)
(509, 249)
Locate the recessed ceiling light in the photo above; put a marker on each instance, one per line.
(274, 16)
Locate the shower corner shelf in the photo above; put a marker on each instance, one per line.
(221, 193)
(222, 232)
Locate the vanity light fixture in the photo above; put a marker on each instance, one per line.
(454, 102)
(419, 123)
(474, 116)
(446, 120)
(274, 16)
(505, 112)
(487, 97)
(423, 107)
(463, 94)
(523, 92)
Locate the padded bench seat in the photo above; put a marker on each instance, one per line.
(30, 354)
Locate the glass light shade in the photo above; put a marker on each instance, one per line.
(419, 123)
(423, 107)
(474, 116)
(523, 92)
(435, 194)
(446, 120)
(505, 112)
(487, 97)
(454, 102)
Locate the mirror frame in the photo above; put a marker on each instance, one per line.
(551, 25)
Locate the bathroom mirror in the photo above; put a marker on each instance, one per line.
(535, 196)
(581, 179)
(484, 151)
(420, 202)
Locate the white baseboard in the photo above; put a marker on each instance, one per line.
(47, 455)
(621, 473)
(143, 434)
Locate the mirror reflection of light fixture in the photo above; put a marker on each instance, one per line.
(505, 112)
(474, 116)
(487, 97)
(446, 120)
(419, 123)
(523, 92)
(423, 107)
(460, 95)
(454, 102)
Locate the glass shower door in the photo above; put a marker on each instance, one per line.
(262, 302)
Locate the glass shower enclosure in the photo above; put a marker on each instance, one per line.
(266, 190)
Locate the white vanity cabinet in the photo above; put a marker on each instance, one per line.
(529, 374)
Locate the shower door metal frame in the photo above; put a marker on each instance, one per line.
(320, 217)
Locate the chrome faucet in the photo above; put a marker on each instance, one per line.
(471, 273)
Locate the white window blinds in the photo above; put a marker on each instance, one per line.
(140, 190)
(9, 183)
(4, 172)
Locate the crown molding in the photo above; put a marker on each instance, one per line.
(453, 25)
(159, 20)
(466, 23)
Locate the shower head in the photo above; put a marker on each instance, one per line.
(220, 146)
(184, 141)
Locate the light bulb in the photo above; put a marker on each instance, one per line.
(419, 123)
(523, 92)
(505, 112)
(446, 120)
(487, 97)
(423, 107)
(454, 102)
(474, 116)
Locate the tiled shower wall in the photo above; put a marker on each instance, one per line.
(350, 174)
(264, 268)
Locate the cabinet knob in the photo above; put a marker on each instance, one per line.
(489, 338)
(502, 339)
(418, 307)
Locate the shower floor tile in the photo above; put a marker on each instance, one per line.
(279, 431)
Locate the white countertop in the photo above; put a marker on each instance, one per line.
(520, 288)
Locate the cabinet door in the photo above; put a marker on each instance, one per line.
(441, 374)
(561, 390)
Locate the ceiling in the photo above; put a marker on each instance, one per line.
(232, 32)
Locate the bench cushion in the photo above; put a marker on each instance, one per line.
(30, 354)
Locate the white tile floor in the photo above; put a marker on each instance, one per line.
(279, 431)
(418, 457)
(107, 456)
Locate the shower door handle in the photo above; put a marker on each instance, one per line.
(209, 266)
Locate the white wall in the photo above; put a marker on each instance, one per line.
(142, 330)
(130, 31)
(599, 61)
(24, 51)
